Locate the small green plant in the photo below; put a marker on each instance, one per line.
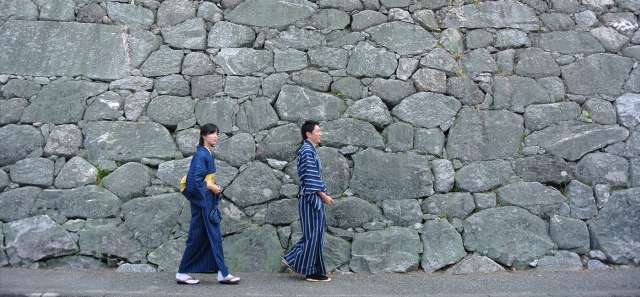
(102, 173)
(460, 72)
(339, 95)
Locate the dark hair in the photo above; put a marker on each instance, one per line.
(308, 127)
(207, 129)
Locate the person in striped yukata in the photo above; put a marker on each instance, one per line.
(305, 257)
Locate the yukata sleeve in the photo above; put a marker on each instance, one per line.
(310, 174)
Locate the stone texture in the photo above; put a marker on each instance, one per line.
(475, 264)
(162, 62)
(450, 205)
(392, 91)
(41, 49)
(567, 42)
(569, 234)
(256, 115)
(370, 109)
(402, 38)
(128, 181)
(242, 255)
(296, 103)
(536, 63)
(427, 109)
(190, 34)
(18, 203)
(151, 219)
(33, 171)
(173, 12)
(446, 250)
(541, 200)
(444, 175)
(516, 93)
(603, 168)
(170, 110)
(207, 86)
(284, 12)
(351, 212)
(281, 143)
(482, 176)
(628, 109)
(485, 135)
(107, 239)
(220, 111)
(11, 110)
(227, 34)
(509, 235)
(405, 212)
(391, 250)
(76, 172)
(36, 238)
(243, 61)
(543, 169)
(255, 185)
(390, 176)
(606, 74)
(494, 14)
(398, 137)
(539, 116)
(337, 168)
(19, 141)
(561, 260)
(344, 132)
(359, 61)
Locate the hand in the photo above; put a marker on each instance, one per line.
(327, 200)
(216, 189)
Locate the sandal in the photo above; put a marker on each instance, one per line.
(187, 281)
(230, 280)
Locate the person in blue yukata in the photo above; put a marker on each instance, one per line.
(305, 257)
(203, 251)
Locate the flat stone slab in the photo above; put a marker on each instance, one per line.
(492, 14)
(280, 12)
(63, 49)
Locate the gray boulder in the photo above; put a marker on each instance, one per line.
(509, 235)
(535, 197)
(444, 175)
(220, 111)
(351, 212)
(569, 234)
(337, 252)
(162, 62)
(345, 132)
(402, 38)
(405, 212)
(86, 202)
(173, 12)
(539, 116)
(628, 109)
(427, 109)
(281, 143)
(19, 142)
(442, 245)
(561, 260)
(536, 63)
(170, 110)
(392, 91)
(64, 140)
(36, 238)
(256, 115)
(11, 110)
(106, 106)
(395, 249)
(475, 264)
(207, 86)
(333, 58)
(370, 109)
(128, 181)
(283, 12)
(543, 169)
(391, 176)
(516, 93)
(33, 171)
(603, 168)
(75, 173)
(242, 255)
(152, 219)
(226, 34)
(337, 170)
(450, 205)
(361, 57)
(109, 240)
(236, 150)
(495, 14)
(167, 256)
(296, 103)
(190, 34)
(243, 61)
(134, 16)
(255, 185)
(606, 74)
(18, 203)
(482, 176)
(282, 212)
(567, 42)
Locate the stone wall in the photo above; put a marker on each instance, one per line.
(459, 136)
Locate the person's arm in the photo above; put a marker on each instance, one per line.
(310, 174)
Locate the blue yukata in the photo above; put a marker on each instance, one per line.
(305, 256)
(203, 249)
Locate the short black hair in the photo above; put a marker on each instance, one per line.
(308, 126)
(207, 129)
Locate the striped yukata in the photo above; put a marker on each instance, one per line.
(306, 255)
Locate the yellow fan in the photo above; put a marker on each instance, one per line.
(210, 178)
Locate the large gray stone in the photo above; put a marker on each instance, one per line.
(18, 142)
(511, 38)
(482, 176)
(351, 212)
(257, 249)
(394, 249)
(509, 235)
(197, 63)
(450, 205)
(370, 109)
(301, 39)
(220, 111)
(330, 19)
(190, 34)
(128, 181)
(485, 135)
(62, 102)
(392, 91)
(313, 79)
(142, 44)
(628, 109)
(255, 185)
(77, 172)
(405, 212)
(84, 202)
(367, 18)
(603, 168)
(18, 10)
(345, 132)
(109, 240)
(444, 175)
(492, 14)
(256, 115)
(442, 245)
(234, 218)
(599, 73)
(175, 84)
(334, 58)
(429, 141)
(539, 116)
(236, 150)
(11, 110)
(296, 103)
(569, 234)
(133, 16)
(350, 87)
(283, 12)
(207, 86)
(465, 90)
(282, 212)
(135, 104)
(475, 264)
(398, 137)
(516, 93)
(430, 80)
(536, 63)
(227, 34)
(402, 38)
(391, 176)
(541, 200)
(426, 109)
(128, 141)
(167, 256)
(170, 110)
(20, 88)
(337, 170)
(442, 60)
(281, 143)
(572, 140)
(243, 61)
(614, 229)
(346, 5)
(164, 61)
(479, 60)
(106, 106)
(567, 42)
(37, 238)
(561, 260)
(43, 49)
(361, 57)
(337, 252)
(18, 203)
(33, 171)
(610, 38)
(173, 12)
(543, 169)
(152, 219)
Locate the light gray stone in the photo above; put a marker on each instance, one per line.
(494, 14)
(313, 79)
(162, 62)
(76, 172)
(18, 203)
(405, 212)
(427, 109)
(337, 168)
(543, 169)
(272, 84)
(464, 89)
(170, 110)
(485, 135)
(282, 212)
(569, 42)
(396, 175)
(135, 104)
(243, 61)
(20, 88)
(572, 140)
(228, 35)
(351, 212)
(451, 205)
(220, 111)
(509, 235)
(482, 176)
(561, 260)
(440, 59)
(444, 175)
(301, 39)
(296, 103)
(142, 43)
(11, 110)
(346, 5)
(190, 34)
(336, 253)
(628, 109)
(210, 12)
(394, 249)
(255, 185)
(392, 91)
(370, 109)
(330, 19)
(241, 86)
(284, 12)
(344, 132)
(606, 72)
(541, 200)
(610, 38)
(173, 84)
(107, 239)
(359, 61)
(19, 141)
(475, 264)
(402, 38)
(132, 83)
(430, 80)
(136, 268)
(85, 202)
(126, 141)
(151, 219)
(613, 229)
(485, 200)
(511, 38)
(516, 93)
(406, 68)
(479, 60)
(334, 58)
(446, 250)
(207, 86)
(367, 18)
(569, 234)
(242, 256)
(64, 140)
(133, 16)
(603, 168)
(18, 10)
(128, 181)
(558, 21)
(429, 141)
(398, 137)
(281, 143)
(540, 116)
(536, 63)
(37, 238)
(236, 150)
(33, 171)
(600, 111)
(256, 115)
(173, 12)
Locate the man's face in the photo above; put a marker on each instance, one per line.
(314, 136)
(211, 139)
